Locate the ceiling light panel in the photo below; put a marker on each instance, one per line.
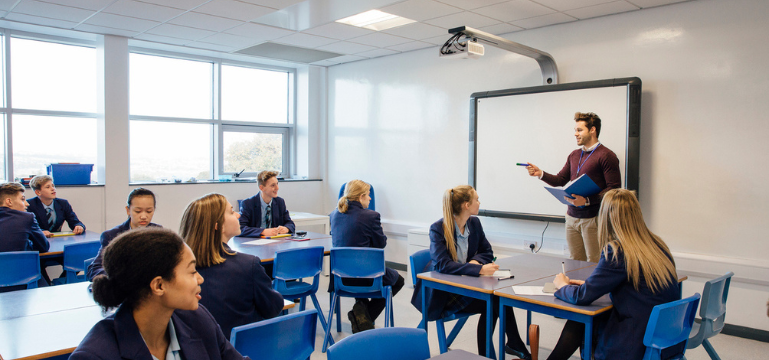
(375, 20)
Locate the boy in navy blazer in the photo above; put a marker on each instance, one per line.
(50, 211)
(255, 220)
(19, 228)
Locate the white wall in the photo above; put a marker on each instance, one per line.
(401, 122)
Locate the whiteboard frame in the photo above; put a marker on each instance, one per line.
(632, 123)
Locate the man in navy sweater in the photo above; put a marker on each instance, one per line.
(602, 166)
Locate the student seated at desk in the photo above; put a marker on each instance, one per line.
(51, 211)
(19, 229)
(265, 214)
(636, 268)
(237, 290)
(140, 209)
(152, 278)
(458, 246)
(354, 225)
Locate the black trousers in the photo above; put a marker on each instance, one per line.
(511, 327)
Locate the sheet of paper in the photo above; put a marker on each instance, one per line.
(530, 290)
(261, 242)
(500, 273)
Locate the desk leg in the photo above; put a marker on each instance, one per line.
(502, 314)
(587, 348)
(489, 328)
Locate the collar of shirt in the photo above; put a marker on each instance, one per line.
(173, 344)
(591, 148)
(465, 233)
(49, 207)
(261, 201)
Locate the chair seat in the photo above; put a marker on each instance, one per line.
(296, 288)
(357, 295)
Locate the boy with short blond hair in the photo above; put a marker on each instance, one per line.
(50, 211)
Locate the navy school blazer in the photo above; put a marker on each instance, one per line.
(63, 212)
(251, 216)
(478, 249)
(118, 337)
(621, 335)
(20, 232)
(360, 227)
(238, 291)
(96, 267)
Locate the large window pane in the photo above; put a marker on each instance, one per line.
(253, 152)
(50, 76)
(41, 140)
(162, 86)
(2, 148)
(167, 151)
(254, 95)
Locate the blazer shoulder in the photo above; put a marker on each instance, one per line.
(34, 203)
(437, 226)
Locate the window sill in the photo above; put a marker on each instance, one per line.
(148, 183)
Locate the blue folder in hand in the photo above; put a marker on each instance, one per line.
(582, 186)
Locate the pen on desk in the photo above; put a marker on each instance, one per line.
(563, 267)
(506, 278)
(522, 164)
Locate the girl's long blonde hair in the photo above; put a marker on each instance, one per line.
(201, 228)
(352, 192)
(453, 199)
(621, 226)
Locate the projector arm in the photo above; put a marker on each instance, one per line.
(546, 62)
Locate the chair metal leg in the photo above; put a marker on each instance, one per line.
(339, 315)
(711, 351)
(330, 319)
(441, 336)
(302, 302)
(320, 312)
(528, 325)
(421, 324)
(455, 331)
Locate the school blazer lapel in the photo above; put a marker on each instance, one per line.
(129, 338)
(59, 209)
(192, 346)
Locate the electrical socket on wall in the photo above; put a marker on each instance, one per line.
(530, 245)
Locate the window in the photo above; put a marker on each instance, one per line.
(201, 118)
(50, 115)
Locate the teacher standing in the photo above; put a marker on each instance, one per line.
(602, 166)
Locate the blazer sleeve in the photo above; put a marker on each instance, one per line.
(378, 238)
(96, 267)
(268, 302)
(485, 254)
(607, 276)
(442, 259)
(287, 222)
(70, 216)
(39, 241)
(247, 219)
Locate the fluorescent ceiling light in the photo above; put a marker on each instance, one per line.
(375, 20)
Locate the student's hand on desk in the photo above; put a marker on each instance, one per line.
(576, 282)
(47, 233)
(78, 230)
(561, 280)
(270, 232)
(534, 170)
(489, 269)
(577, 201)
(282, 230)
(474, 262)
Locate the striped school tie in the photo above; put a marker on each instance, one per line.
(51, 217)
(268, 217)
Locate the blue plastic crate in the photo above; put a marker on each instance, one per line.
(70, 174)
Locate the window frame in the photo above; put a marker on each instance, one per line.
(219, 125)
(8, 109)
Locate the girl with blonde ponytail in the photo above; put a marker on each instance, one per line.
(458, 246)
(354, 225)
(635, 267)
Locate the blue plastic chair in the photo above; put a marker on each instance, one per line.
(382, 344)
(358, 263)
(20, 268)
(418, 261)
(713, 314)
(669, 325)
(371, 205)
(289, 337)
(297, 264)
(75, 256)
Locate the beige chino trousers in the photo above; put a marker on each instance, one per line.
(582, 238)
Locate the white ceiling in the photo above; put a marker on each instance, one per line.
(231, 25)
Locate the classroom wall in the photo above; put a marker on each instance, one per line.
(401, 122)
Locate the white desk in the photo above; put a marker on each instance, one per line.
(305, 219)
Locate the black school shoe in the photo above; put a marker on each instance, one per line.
(520, 354)
(361, 315)
(353, 322)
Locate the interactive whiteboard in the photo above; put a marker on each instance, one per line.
(537, 125)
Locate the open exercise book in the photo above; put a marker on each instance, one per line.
(582, 186)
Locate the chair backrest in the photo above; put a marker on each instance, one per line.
(358, 263)
(75, 254)
(20, 268)
(371, 205)
(670, 324)
(298, 263)
(418, 262)
(88, 262)
(713, 307)
(382, 344)
(289, 337)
